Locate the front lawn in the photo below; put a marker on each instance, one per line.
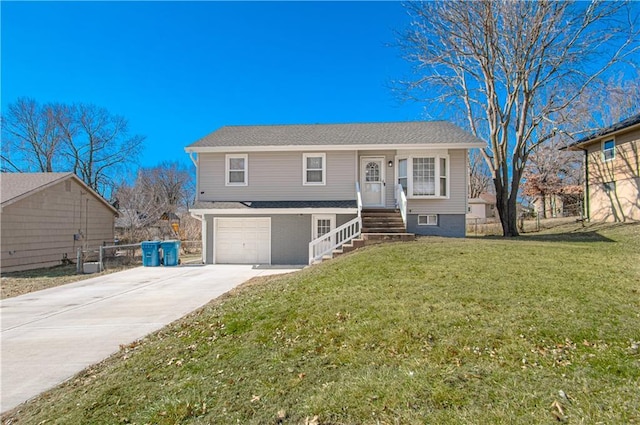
(537, 329)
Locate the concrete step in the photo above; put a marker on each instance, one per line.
(383, 229)
(388, 237)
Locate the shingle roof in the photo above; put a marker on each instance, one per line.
(15, 185)
(273, 205)
(416, 132)
(633, 120)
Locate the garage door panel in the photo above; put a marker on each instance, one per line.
(243, 240)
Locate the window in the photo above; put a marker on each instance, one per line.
(608, 150)
(237, 170)
(424, 176)
(428, 220)
(402, 174)
(609, 187)
(443, 177)
(314, 169)
(424, 172)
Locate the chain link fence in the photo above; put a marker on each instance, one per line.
(114, 257)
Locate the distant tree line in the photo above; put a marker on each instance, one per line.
(85, 139)
(98, 147)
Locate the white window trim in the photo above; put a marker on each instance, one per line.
(428, 223)
(602, 149)
(227, 161)
(437, 158)
(304, 169)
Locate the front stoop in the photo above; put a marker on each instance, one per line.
(378, 226)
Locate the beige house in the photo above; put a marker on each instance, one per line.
(612, 171)
(482, 208)
(46, 217)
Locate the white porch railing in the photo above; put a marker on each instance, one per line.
(326, 243)
(401, 199)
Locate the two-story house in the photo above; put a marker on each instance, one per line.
(612, 171)
(266, 193)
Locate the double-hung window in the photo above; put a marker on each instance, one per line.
(314, 169)
(424, 176)
(608, 150)
(237, 170)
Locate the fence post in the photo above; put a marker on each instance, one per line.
(100, 268)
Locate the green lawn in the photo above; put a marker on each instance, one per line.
(538, 329)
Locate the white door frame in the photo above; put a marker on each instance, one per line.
(363, 182)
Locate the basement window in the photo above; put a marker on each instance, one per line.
(428, 220)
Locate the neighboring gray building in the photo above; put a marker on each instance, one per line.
(46, 216)
(264, 193)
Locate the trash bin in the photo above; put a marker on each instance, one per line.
(150, 253)
(171, 252)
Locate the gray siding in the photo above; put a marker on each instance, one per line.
(449, 225)
(38, 231)
(457, 202)
(290, 236)
(277, 176)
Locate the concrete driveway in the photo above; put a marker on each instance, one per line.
(48, 336)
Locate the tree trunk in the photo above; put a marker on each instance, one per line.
(507, 209)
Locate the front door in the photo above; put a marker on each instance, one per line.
(372, 182)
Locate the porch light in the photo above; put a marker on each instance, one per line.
(390, 164)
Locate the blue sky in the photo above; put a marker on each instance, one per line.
(180, 70)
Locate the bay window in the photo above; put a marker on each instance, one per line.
(424, 176)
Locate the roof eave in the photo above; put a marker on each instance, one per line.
(345, 147)
(272, 211)
(578, 146)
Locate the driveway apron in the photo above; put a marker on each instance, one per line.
(49, 336)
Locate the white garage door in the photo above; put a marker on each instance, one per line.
(243, 240)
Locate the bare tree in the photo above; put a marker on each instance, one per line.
(550, 177)
(172, 182)
(97, 144)
(158, 195)
(31, 139)
(479, 175)
(85, 139)
(513, 68)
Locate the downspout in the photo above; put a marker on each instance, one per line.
(203, 224)
(201, 219)
(587, 204)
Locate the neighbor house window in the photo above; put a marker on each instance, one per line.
(608, 150)
(424, 176)
(237, 170)
(609, 187)
(428, 220)
(314, 169)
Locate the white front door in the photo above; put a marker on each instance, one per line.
(372, 185)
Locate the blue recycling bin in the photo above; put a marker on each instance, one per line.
(171, 252)
(150, 253)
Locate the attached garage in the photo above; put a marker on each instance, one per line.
(242, 240)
